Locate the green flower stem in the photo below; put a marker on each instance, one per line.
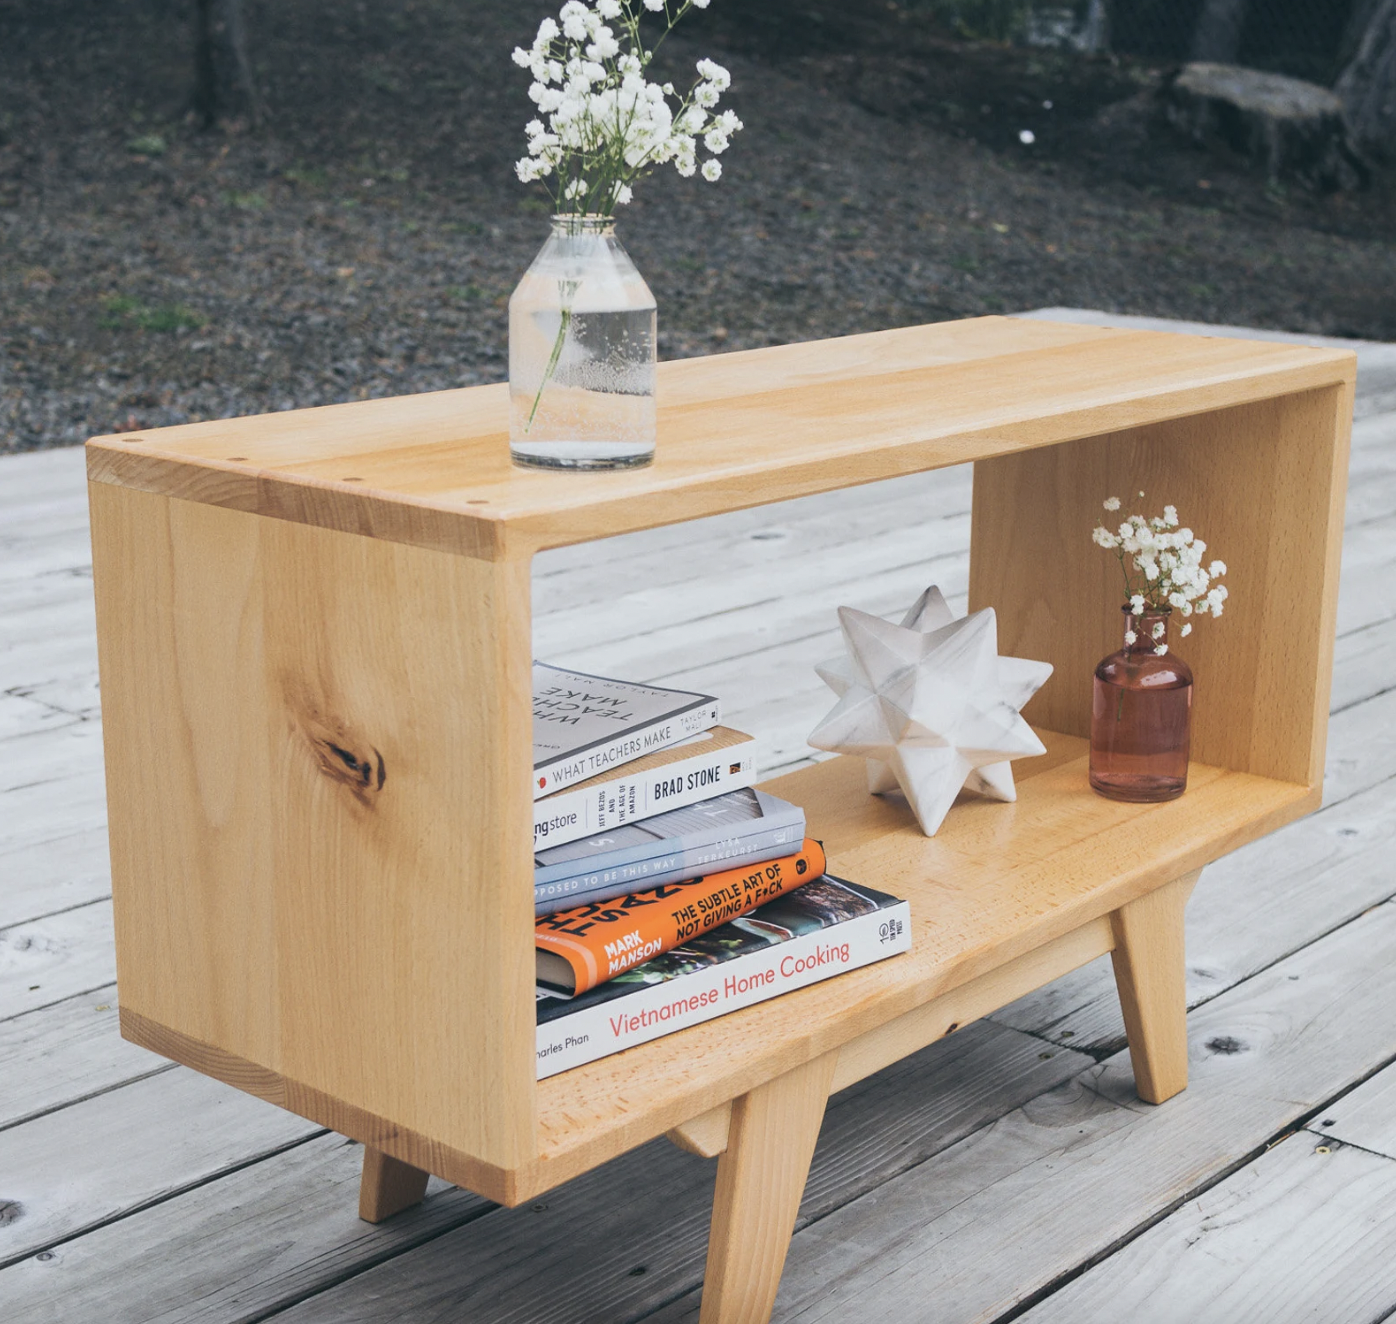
(552, 363)
(568, 290)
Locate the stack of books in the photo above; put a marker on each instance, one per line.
(667, 889)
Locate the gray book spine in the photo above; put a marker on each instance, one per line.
(767, 843)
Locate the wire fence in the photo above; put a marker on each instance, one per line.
(1312, 39)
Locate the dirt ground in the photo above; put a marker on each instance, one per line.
(363, 239)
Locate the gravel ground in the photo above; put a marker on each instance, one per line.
(363, 240)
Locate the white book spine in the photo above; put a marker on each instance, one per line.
(560, 773)
(650, 1013)
(571, 815)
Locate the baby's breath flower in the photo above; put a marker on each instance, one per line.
(1185, 631)
(1162, 567)
(1161, 649)
(1130, 638)
(712, 72)
(606, 125)
(712, 171)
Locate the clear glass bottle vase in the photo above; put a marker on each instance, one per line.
(582, 354)
(1141, 715)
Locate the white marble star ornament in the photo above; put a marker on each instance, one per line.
(931, 705)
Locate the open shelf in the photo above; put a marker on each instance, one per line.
(997, 881)
(314, 633)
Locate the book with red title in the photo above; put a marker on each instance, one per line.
(587, 945)
(819, 929)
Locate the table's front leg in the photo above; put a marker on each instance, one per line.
(1151, 976)
(388, 1186)
(760, 1179)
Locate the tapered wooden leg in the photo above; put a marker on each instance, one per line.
(760, 1179)
(1151, 977)
(388, 1186)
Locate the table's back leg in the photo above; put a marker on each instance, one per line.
(1151, 977)
(388, 1186)
(760, 1179)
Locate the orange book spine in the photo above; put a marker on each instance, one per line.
(600, 940)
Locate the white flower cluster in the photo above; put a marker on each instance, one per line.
(606, 123)
(1169, 559)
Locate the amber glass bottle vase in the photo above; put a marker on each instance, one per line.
(1141, 711)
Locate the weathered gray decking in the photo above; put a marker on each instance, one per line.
(1008, 1172)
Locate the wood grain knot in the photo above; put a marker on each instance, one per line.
(345, 758)
(363, 771)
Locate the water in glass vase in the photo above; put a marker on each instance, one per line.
(582, 354)
(1141, 716)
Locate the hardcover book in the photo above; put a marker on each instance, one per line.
(708, 764)
(584, 725)
(742, 827)
(818, 930)
(585, 946)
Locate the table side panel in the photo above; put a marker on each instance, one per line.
(1264, 485)
(318, 771)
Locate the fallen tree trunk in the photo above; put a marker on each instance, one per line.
(1367, 87)
(1296, 130)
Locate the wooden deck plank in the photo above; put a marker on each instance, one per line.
(1366, 1117)
(1297, 1237)
(1081, 1168)
(1362, 664)
(23, 716)
(781, 603)
(41, 476)
(57, 957)
(56, 873)
(66, 1052)
(1369, 560)
(573, 1255)
(259, 1239)
(746, 542)
(84, 1165)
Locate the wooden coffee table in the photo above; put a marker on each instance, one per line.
(315, 643)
